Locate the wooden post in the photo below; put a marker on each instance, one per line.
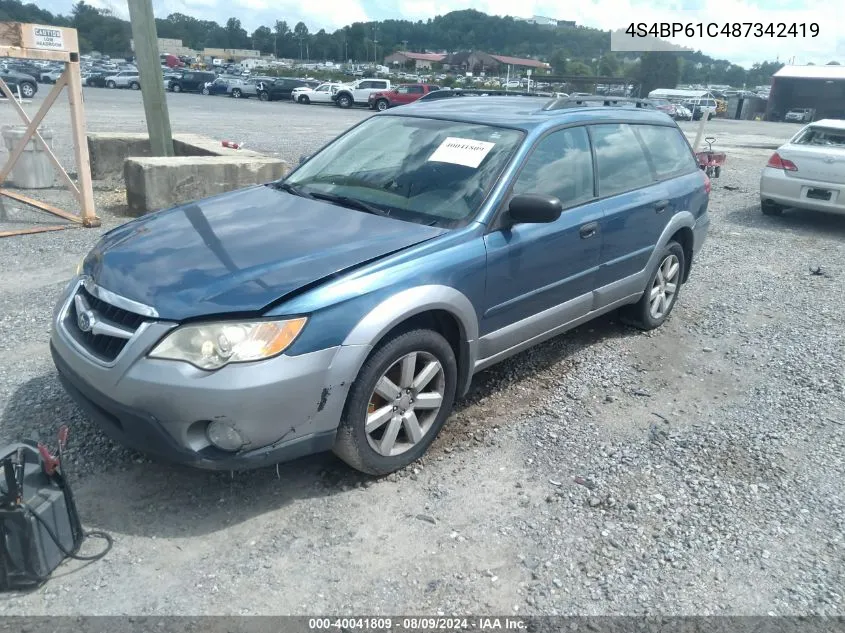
(148, 62)
(80, 143)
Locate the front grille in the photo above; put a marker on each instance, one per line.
(102, 346)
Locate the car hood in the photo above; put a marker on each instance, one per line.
(241, 251)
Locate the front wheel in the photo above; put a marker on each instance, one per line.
(27, 90)
(236, 93)
(398, 404)
(661, 293)
(264, 96)
(382, 105)
(176, 88)
(135, 85)
(206, 91)
(111, 84)
(303, 99)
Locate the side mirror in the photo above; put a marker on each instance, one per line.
(303, 158)
(530, 208)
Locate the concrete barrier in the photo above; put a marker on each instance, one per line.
(155, 183)
(109, 151)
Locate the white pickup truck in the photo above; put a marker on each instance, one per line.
(358, 92)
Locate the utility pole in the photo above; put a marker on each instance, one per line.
(148, 61)
(375, 42)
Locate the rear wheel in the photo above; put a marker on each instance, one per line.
(398, 404)
(382, 105)
(771, 208)
(304, 99)
(176, 88)
(236, 93)
(344, 101)
(264, 96)
(206, 91)
(111, 84)
(27, 89)
(135, 85)
(661, 293)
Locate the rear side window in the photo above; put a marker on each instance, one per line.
(620, 159)
(670, 154)
(560, 165)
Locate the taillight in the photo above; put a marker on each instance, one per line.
(707, 184)
(781, 163)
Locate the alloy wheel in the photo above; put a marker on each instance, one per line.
(404, 403)
(27, 90)
(665, 287)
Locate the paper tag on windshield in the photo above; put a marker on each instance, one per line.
(462, 151)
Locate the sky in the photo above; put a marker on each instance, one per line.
(605, 14)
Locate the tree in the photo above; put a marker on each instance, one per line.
(735, 76)
(579, 68)
(658, 70)
(609, 65)
(558, 61)
(236, 36)
(300, 31)
(833, 63)
(262, 39)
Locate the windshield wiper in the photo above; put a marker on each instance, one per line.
(352, 203)
(289, 188)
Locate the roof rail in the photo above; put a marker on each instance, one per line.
(583, 101)
(447, 93)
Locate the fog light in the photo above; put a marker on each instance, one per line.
(224, 436)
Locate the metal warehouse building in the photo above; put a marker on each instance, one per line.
(819, 87)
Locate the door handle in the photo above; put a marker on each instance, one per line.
(589, 230)
(661, 206)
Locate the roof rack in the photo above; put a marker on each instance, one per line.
(447, 93)
(581, 101)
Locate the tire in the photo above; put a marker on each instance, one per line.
(382, 105)
(176, 88)
(344, 101)
(236, 93)
(360, 449)
(642, 314)
(135, 85)
(111, 84)
(206, 91)
(771, 208)
(27, 89)
(264, 96)
(717, 171)
(304, 100)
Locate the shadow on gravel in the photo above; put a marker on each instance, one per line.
(797, 220)
(162, 500)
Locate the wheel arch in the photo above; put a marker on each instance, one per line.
(679, 228)
(441, 308)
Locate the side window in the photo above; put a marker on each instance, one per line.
(669, 153)
(620, 159)
(188, 76)
(559, 165)
(403, 90)
(365, 84)
(415, 90)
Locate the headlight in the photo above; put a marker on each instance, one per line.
(213, 345)
(79, 266)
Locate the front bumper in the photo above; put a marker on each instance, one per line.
(791, 191)
(284, 407)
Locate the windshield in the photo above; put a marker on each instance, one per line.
(828, 137)
(421, 170)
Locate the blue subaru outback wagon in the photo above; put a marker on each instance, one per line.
(346, 306)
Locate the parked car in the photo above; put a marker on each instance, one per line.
(800, 115)
(15, 80)
(278, 89)
(284, 319)
(664, 105)
(124, 79)
(808, 171)
(95, 79)
(50, 76)
(358, 92)
(219, 86)
(23, 67)
(401, 95)
(243, 88)
(319, 94)
(700, 107)
(682, 113)
(191, 81)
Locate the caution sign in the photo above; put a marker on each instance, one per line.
(47, 37)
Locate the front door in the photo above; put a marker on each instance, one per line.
(540, 276)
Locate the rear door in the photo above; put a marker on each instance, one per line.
(402, 96)
(635, 203)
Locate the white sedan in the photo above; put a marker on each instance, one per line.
(807, 172)
(320, 94)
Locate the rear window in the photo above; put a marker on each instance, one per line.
(825, 136)
(670, 155)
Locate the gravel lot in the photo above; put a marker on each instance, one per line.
(696, 469)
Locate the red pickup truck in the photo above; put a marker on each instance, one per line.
(406, 93)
